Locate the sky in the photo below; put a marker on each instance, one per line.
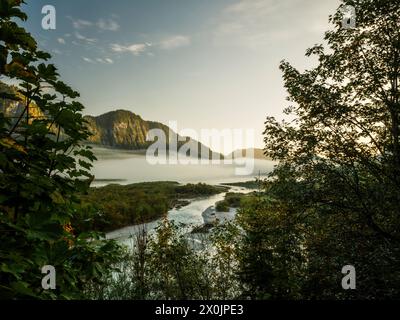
(207, 64)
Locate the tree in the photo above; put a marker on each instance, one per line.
(347, 116)
(270, 255)
(43, 170)
(339, 158)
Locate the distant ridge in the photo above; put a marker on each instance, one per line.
(257, 154)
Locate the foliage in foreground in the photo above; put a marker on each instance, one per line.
(336, 189)
(170, 265)
(41, 177)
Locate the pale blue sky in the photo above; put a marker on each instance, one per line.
(204, 63)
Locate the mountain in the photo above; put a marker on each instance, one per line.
(257, 153)
(123, 129)
(13, 109)
(120, 129)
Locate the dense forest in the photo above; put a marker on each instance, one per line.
(333, 199)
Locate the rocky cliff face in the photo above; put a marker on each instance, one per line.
(12, 110)
(121, 129)
(125, 130)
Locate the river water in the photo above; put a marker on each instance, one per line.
(188, 217)
(127, 167)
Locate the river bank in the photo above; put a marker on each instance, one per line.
(195, 215)
(133, 204)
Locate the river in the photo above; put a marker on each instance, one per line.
(128, 167)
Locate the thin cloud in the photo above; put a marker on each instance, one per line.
(84, 38)
(61, 40)
(255, 7)
(255, 23)
(107, 25)
(174, 42)
(87, 60)
(80, 23)
(259, 23)
(98, 60)
(135, 49)
(101, 24)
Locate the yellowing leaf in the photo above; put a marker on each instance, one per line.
(12, 144)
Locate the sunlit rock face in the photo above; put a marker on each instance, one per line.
(14, 109)
(125, 130)
(122, 129)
